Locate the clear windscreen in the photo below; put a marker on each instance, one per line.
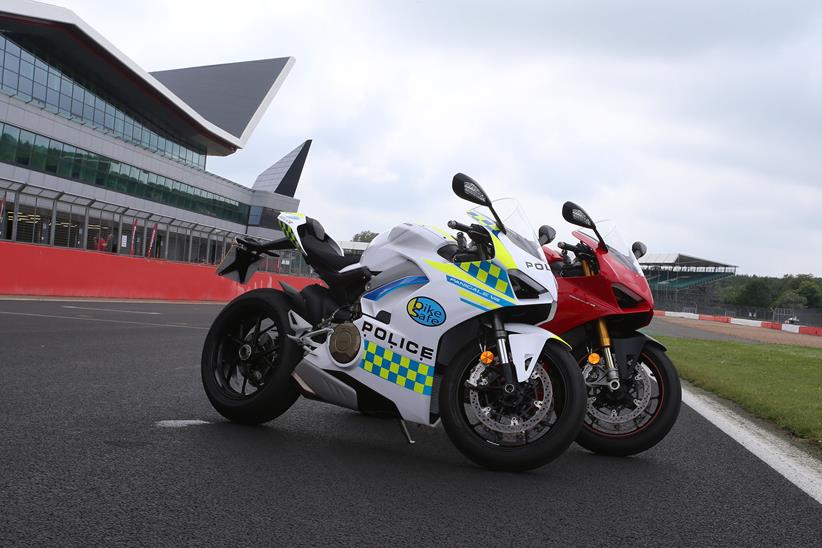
(517, 226)
(616, 244)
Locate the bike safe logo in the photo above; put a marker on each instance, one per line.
(425, 311)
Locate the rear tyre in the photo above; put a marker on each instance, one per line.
(512, 432)
(608, 431)
(248, 359)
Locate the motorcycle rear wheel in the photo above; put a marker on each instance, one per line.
(552, 430)
(660, 413)
(248, 359)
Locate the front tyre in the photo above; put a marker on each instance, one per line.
(248, 359)
(640, 414)
(518, 431)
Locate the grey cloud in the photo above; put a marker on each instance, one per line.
(694, 125)
(644, 28)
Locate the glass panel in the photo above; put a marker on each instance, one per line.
(55, 151)
(27, 69)
(68, 227)
(27, 219)
(24, 87)
(53, 81)
(42, 221)
(101, 231)
(77, 163)
(23, 153)
(8, 143)
(88, 168)
(66, 161)
(101, 176)
(39, 153)
(41, 75)
(39, 92)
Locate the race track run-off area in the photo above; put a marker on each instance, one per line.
(108, 439)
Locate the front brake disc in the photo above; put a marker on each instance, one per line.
(496, 417)
(641, 396)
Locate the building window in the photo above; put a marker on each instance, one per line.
(31, 78)
(39, 153)
(264, 217)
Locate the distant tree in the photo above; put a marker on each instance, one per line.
(756, 292)
(364, 236)
(812, 291)
(791, 299)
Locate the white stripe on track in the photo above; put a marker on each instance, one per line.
(111, 310)
(102, 320)
(795, 465)
(180, 423)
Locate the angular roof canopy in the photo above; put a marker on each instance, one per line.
(194, 104)
(678, 259)
(283, 176)
(233, 95)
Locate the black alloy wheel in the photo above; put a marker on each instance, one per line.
(248, 359)
(515, 431)
(638, 415)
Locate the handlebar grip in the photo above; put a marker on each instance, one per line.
(458, 226)
(576, 249)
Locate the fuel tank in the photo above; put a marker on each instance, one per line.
(397, 246)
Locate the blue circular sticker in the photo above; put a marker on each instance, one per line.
(425, 311)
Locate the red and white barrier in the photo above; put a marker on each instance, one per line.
(34, 270)
(789, 328)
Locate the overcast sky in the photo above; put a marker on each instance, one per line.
(696, 126)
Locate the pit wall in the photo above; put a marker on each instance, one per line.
(802, 329)
(34, 270)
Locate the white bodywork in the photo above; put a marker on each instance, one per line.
(427, 296)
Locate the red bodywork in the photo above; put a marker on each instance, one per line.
(583, 299)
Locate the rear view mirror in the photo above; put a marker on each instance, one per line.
(575, 215)
(639, 249)
(468, 189)
(546, 234)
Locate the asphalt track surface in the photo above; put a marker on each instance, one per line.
(83, 461)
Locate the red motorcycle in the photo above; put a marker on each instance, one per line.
(634, 394)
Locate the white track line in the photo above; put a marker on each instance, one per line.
(111, 310)
(102, 320)
(180, 423)
(795, 465)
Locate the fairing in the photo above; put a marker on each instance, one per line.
(584, 299)
(416, 296)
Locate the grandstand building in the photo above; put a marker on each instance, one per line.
(98, 154)
(678, 279)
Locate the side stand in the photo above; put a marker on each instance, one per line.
(405, 432)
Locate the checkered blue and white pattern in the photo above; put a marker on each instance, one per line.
(489, 274)
(397, 369)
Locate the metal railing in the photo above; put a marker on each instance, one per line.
(38, 215)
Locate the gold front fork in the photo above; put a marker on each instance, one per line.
(605, 342)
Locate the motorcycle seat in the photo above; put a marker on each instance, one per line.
(326, 257)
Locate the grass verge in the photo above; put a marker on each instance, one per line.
(776, 382)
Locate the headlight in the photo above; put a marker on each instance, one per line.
(524, 286)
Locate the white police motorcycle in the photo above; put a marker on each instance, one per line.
(425, 326)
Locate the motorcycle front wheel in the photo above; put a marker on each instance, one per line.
(248, 359)
(515, 431)
(637, 416)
